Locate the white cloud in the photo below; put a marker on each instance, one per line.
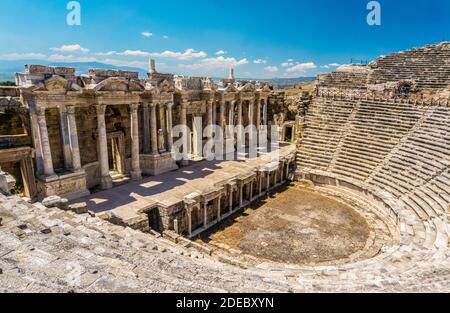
(271, 69)
(23, 56)
(301, 67)
(330, 65)
(147, 34)
(220, 52)
(71, 48)
(215, 63)
(106, 53)
(290, 60)
(287, 64)
(260, 61)
(166, 37)
(187, 55)
(135, 53)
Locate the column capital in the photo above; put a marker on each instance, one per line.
(169, 105)
(70, 109)
(134, 106)
(40, 111)
(145, 105)
(101, 109)
(184, 104)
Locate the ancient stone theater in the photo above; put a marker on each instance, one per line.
(351, 192)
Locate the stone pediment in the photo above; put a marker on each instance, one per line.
(248, 88)
(119, 84)
(136, 85)
(166, 86)
(266, 88)
(208, 84)
(56, 84)
(230, 88)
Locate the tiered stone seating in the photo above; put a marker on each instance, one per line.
(325, 124)
(344, 80)
(416, 166)
(371, 135)
(429, 66)
(49, 250)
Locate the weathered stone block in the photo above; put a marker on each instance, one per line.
(79, 208)
(55, 201)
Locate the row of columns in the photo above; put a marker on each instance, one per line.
(277, 176)
(70, 140)
(222, 120)
(71, 149)
(150, 132)
(150, 126)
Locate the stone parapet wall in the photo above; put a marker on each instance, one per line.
(9, 92)
(383, 96)
(103, 74)
(419, 73)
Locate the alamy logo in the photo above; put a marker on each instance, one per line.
(74, 15)
(374, 16)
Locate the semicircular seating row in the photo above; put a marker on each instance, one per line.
(396, 149)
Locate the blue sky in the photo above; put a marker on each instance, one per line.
(283, 38)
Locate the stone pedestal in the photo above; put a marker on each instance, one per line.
(157, 164)
(70, 186)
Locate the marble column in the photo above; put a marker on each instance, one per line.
(222, 121)
(268, 182)
(251, 111)
(106, 181)
(162, 129)
(169, 126)
(186, 135)
(219, 213)
(230, 199)
(282, 173)
(74, 145)
(136, 173)
(45, 143)
(209, 112)
(261, 174)
(258, 115)
(146, 128)
(154, 129)
(287, 170)
(251, 191)
(231, 113)
(65, 137)
(239, 119)
(214, 112)
(205, 214)
(265, 113)
(189, 216)
(240, 132)
(241, 200)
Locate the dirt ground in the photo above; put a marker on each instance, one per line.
(297, 226)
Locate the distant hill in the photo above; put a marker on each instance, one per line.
(9, 68)
(288, 82)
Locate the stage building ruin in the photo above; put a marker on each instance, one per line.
(109, 128)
